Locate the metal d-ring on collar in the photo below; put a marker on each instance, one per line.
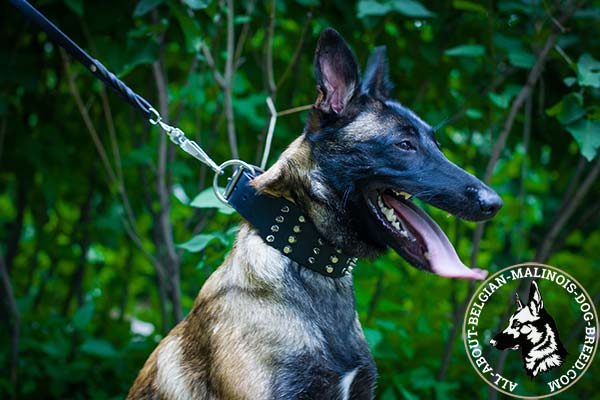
(282, 224)
(232, 181)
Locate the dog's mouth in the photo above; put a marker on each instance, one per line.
(415, 236)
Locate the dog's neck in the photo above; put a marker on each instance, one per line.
(544, 354)
(264, 272)
(296, 176)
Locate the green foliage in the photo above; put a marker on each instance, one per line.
(81, 243)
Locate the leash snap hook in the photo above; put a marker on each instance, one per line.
(155, 118)
(232, 180)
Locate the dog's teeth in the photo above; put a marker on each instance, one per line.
(396, 224)
(380, 202)
(390, 215)
(406, 196)
(404, 233)
(427, 255)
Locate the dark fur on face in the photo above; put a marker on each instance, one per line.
(357, 144)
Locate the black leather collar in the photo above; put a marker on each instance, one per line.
(283, 226)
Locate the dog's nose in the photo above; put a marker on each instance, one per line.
(493, 342)
(489, 202)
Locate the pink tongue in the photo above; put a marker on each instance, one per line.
(443, 258)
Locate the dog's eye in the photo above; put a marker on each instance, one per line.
(406, 145)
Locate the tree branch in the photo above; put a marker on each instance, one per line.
(568, 207)
(15, 318)
(297, 51)
(131, 230)
(163, 189)
(272, 88)
(228, 81)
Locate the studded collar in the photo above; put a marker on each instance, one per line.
(283, 226)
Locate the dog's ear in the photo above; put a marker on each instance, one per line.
(336, 72)
(376, 80)
(519, 303)
(535, 299)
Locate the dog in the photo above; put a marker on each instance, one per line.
(266, 327)
(534, 331)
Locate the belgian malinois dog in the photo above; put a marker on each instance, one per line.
(266, 327)
(532, 330)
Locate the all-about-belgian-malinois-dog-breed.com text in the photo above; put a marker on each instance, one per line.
(267, 327)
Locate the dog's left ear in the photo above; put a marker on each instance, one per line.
(519, 303)
(376, 81)
(336, 72)
(535, 299)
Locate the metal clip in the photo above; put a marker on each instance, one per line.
(177, 136)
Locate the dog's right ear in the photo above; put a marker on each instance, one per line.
(336, 72)
(376, 81)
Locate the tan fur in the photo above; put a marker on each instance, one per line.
(220, 350)
(291, 170)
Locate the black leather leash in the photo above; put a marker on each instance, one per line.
(110, 80)
(93, 65)
(279, 221)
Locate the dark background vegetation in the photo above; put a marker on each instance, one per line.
(103, 250)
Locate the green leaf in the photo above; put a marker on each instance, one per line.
(99, 347)
(407, 394)
(521, 59)
(587, 135)
(141, 53)
(75, 5)
(373, 336)
(199, 242)
(189, 27)
(568, 110)
(570, 81)
(197, 4)
(474, 113)
(466, 50)
(207, 199)
(370, 8)
(251, 107)
(145, 6)
(411, 8)
(503, 99)
(469, 6)
(588, 71)
(309, 3)
(83, 315)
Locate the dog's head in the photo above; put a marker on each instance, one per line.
(366, 155)
(526, 325)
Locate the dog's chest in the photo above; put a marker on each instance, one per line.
(341, 366)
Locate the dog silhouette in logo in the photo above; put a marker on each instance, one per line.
(534, 331)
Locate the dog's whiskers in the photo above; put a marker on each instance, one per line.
(345, 197)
